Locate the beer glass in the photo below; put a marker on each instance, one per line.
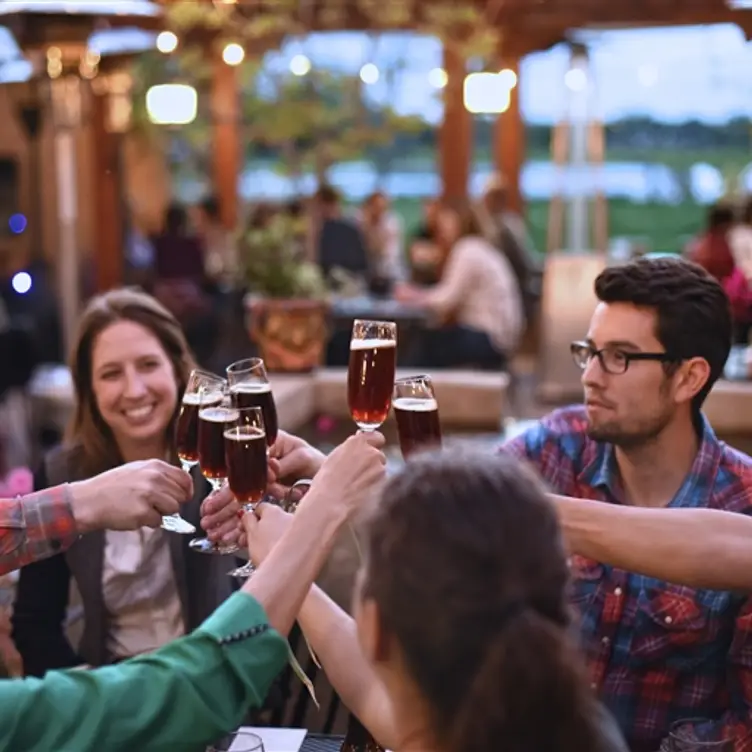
(250, 387)
(370, 375)
(186, 434)
(246, 460)
(417, 414)
(213, 419)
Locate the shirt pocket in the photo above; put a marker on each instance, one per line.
(675, 630)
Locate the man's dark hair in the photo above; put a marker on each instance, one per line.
(694, 317)
(328, 195)
(720, 215)
(210, 205)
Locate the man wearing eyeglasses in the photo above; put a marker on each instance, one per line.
(657, 653)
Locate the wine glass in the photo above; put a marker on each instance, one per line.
(370, 375)
(238, 741)
(697, 735)
(186, 435)
(417, 414)
(213, 419)
(250, 387)
(246, 461)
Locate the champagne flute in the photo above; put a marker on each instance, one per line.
(417, 414)
(213, 419)
(246, 462)
(250, 387)
(370, 375)
(186, 435)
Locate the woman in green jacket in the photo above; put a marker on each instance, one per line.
(194, 690)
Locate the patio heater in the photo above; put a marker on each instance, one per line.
(54, 36)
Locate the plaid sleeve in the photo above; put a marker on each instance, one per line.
(34, 527)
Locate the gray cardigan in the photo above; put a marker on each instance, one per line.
(42, 595)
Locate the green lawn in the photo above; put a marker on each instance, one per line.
(664, 227)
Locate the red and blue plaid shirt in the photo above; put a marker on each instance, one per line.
(657, 653)
(34, 527)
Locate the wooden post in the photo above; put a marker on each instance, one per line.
(226, 144)
(509, 142)
(109, 221)
(456, 131)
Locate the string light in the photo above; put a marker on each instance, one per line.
(233, 54)
(167, 42)
(300, 65)
(369, 74)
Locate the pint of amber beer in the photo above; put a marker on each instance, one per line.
(370, 376)
(417, 414)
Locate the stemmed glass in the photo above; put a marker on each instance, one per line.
(247, 467)
(250, 387)
(697, 735)
(238, 741)
(370, 375)
(213, 419)
(186, 434)
(417, 414)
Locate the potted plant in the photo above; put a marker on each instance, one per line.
(286, 305)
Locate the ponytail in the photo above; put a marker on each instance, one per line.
(529, 694)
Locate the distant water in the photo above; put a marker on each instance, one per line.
(641, 182)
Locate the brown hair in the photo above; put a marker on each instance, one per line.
(693, 312)
(466, 565)
(87, 430)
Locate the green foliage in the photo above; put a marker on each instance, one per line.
(274, 262)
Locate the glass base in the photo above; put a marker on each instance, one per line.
(206, 546)
(174, 523)
(243, 572)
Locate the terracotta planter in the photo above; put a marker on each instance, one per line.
(291, 334)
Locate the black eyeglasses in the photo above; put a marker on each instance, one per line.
(613, 360)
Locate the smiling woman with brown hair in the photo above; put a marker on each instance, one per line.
(140, 589)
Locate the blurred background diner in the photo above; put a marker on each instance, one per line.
(263, 177)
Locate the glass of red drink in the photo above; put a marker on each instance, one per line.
(370, 374)
(417, 414)
(246, 461)
(213, 419)
(250, 387)
(186, 434)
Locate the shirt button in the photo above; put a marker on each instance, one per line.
(668, 620)
(617, 592)
(593, 686)
(605, 641)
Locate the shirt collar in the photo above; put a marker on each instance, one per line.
(602, 472)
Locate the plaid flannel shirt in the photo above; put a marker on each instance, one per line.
(657, 653)
(34, 527)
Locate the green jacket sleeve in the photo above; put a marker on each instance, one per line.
(180, 697)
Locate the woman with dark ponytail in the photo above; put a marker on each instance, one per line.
(461, 640)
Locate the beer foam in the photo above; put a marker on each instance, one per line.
(251, 387)
(199, 398)
(218, 414)
(244, 433)
(415, 405)
(372, 344)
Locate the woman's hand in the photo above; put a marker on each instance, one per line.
(220, 517)
(354, 471)
(263, 528)
(291, 459)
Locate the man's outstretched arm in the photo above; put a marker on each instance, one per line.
(701, 548)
